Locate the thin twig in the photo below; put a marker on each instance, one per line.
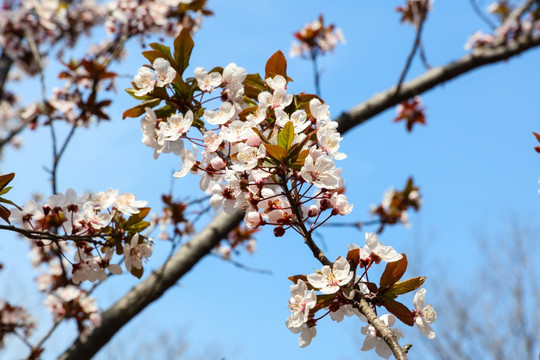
(45, 235)
(423, 56)
(416, 44)
(244, 267)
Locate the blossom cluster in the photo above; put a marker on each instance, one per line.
(315, 38)
(14, 319)
(394, 205)
(89, 221)
(414, 12)
(412, 112)
(73, 302)
(263, 149)
(48, 22)
(340, 285)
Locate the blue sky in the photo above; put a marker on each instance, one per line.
(474, 163)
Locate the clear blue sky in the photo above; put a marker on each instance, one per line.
(474, 163)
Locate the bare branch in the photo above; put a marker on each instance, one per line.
(154, 286)
(431, 78)
(416, 45)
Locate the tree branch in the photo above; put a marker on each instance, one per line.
(431, 78)
(154, 286)
(5, 66)
(361, 304)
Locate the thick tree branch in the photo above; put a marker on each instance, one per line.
(431, 78)
(154, 286)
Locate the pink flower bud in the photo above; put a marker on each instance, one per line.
(217, 163)
(254, 140)
(313, 211)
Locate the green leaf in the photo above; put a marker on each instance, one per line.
(261, 136)
(300, 160)
(138, 273)
(403, 287)
(6, 179)
(323, 300)
(5, 190)
(286, 135)
(152, 55)
(276, 65)
(9, 202)
(393, 272)
(183, 45)
(140, 109)
(253, 85)
(131, 92)
(139, 227)
(135, 218)
(277, 152)
(400, 311)
(165, 52)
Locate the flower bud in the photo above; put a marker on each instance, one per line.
(217, 163)
(279, 231)
(254, 140)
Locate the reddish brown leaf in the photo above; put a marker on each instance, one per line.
(6, 179)
(276, 65)
(4, 214)
(400, 311)
(354, 256)
(393, 272)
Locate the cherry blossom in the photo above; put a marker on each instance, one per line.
(205, 81)
(329, 281)
(135, 252)
(144, 80)
(320, 170)
(165, 74)
(300, 303)
(424, 315)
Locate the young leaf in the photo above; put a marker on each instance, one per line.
(295, 279)
(6, 179)
(400, 311)
(393, 272)
(183, 45)
(286, 135)
(135, 218)
(138, 273)
(4, 214)
(277, 152)
(354, 256)
(165, 52)
(403, 287)
(253, 85)
(276, 65)
(140, 109)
